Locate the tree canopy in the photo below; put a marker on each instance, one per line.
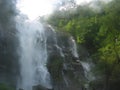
(98, 30)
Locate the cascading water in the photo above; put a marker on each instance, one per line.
(87, 70)
(33, 55)
(74, 47)
(85, 64)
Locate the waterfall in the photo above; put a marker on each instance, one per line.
(33, 45)
(33, 55)
(74, 47)
(87, 70)
(86, 64)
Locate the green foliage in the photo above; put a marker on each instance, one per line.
(5, 87)
(55, 68)
(98, 32)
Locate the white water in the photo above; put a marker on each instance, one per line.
(33, 55)
(85, 64)
(87, 70)
(74, 47)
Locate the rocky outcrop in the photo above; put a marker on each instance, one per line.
(8, 43)
(66, 70)
(8, 58)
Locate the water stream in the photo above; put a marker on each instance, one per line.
(33, 55)
(86, 64)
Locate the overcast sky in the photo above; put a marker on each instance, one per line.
(36, 8)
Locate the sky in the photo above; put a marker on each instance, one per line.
(36, 8)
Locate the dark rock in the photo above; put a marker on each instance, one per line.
(39, 87)
(66, 71)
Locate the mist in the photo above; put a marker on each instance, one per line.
(7, 12)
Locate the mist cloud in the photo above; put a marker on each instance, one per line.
(7, 12)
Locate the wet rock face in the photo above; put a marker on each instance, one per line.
(8, 58)
(39, 87)
(8, 42)
(65, 69)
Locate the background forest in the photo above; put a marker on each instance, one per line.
(96, 26)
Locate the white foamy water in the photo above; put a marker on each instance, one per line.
(33, 55)
(74, 47)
